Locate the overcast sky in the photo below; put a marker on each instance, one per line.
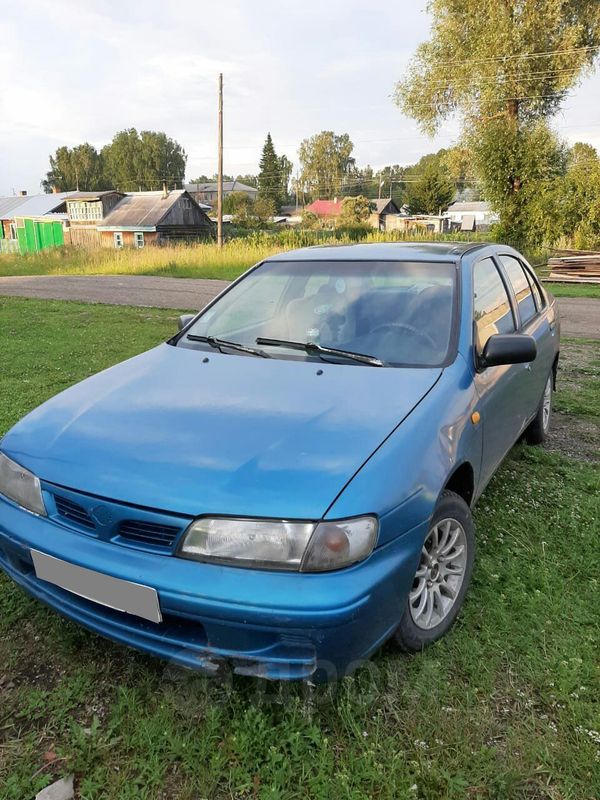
(80, 70)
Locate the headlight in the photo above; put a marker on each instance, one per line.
(21, 486)
(299, 546)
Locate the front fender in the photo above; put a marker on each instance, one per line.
(403, 478)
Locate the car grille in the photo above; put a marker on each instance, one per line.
(148, 533)
(113, 521)
(73, 512)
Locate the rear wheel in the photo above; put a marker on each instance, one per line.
(538, 428)
(442, 577)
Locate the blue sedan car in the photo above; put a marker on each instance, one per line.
(288, 482)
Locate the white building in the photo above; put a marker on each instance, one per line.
(471, 216)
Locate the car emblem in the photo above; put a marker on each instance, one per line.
(102, 515)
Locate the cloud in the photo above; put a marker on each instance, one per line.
(79, 70)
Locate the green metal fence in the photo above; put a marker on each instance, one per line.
(35, 234)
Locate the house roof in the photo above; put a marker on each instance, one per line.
(32, 205)
(469, 207)
(144, 209)
(325, 208)
(92, 195)
(380, 205)
(228, 186)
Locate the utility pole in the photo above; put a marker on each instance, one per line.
(220, 168)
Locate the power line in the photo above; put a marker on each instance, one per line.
(498, 99)
(515, 77)
(513, 56)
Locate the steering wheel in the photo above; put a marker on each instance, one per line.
(405, 326)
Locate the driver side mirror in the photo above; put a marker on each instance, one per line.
(184, 320)
(508, 348)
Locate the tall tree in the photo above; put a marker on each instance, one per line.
(325, 160)
(215, 177)
(79, 167)
(502, 66)
(249, 180)
(285, 167)
(270, 185)
(431, 192)
(355, 211)
(143, 161)
(569, 207)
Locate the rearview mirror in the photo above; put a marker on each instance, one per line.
(508, 348)
(184, 320)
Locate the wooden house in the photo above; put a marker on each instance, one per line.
(141, 218)
(86, 210)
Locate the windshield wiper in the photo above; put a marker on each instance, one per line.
(321, 350)
(219, 344)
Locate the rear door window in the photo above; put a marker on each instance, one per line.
(492, 311)
(522, 289)
(535, 288)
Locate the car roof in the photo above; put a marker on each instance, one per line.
(382, 251)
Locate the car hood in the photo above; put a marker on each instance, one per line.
(206, 433)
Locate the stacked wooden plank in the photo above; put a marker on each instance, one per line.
(575, 268)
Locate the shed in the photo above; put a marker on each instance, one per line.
(381, 208)
(141, 218)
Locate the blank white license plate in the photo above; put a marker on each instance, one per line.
(133, 598)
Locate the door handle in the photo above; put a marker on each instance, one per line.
(528, 367)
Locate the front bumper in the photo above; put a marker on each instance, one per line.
(274, 625)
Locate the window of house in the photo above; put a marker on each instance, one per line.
(118, 237)
(138, 239)
(83, 211)
(521, 288)
(491, 307)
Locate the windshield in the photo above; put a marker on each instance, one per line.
(398, 312)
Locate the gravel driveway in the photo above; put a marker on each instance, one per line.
(580, 316)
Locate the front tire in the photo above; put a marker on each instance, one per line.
(538, 428)
(442, 577)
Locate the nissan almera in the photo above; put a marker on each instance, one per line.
(288, 482)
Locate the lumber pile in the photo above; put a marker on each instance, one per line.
(575, 268)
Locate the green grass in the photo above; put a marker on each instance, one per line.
(580, 378)
(204, 260)
(573, 290)
(504, 708)
(180, 261)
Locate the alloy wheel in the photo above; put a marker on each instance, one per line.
(440, 574)
(547, 404)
